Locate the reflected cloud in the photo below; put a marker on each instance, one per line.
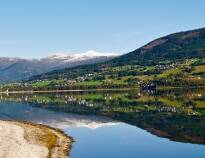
(55, 119)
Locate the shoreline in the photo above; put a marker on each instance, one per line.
(39, 141)
(62, 91)
(93, 90)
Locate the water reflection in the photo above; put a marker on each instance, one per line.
(19, 111)
(176, 114)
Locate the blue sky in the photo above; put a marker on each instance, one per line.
(37, 28)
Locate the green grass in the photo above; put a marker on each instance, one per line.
(89, 83)
(41, 84)
(114, 81)
(173, 71)
(169, 102)
(200, 104)
(47, 83)
(199, 69)
(145, 77)
(150, 68)
(90, 96)
(145, 98)
(43, 99)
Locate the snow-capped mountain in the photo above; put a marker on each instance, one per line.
(79, 56)
(12, 69)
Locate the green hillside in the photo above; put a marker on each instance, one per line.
(178, 46)
(182, 45)
(175, 60)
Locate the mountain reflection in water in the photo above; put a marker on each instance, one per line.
(176, 114)
(19, 111)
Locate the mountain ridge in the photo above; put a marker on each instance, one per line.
(176, 46)
(14, 69)
(168, 47)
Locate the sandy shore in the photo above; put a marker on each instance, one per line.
(23, 140)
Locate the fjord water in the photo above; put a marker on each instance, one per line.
(119, 124)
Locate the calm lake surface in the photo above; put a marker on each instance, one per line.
(126, 124)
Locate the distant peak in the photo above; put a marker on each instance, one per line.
(88, 54)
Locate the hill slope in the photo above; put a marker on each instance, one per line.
(178, 46)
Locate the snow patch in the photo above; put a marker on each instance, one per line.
(72, 57)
